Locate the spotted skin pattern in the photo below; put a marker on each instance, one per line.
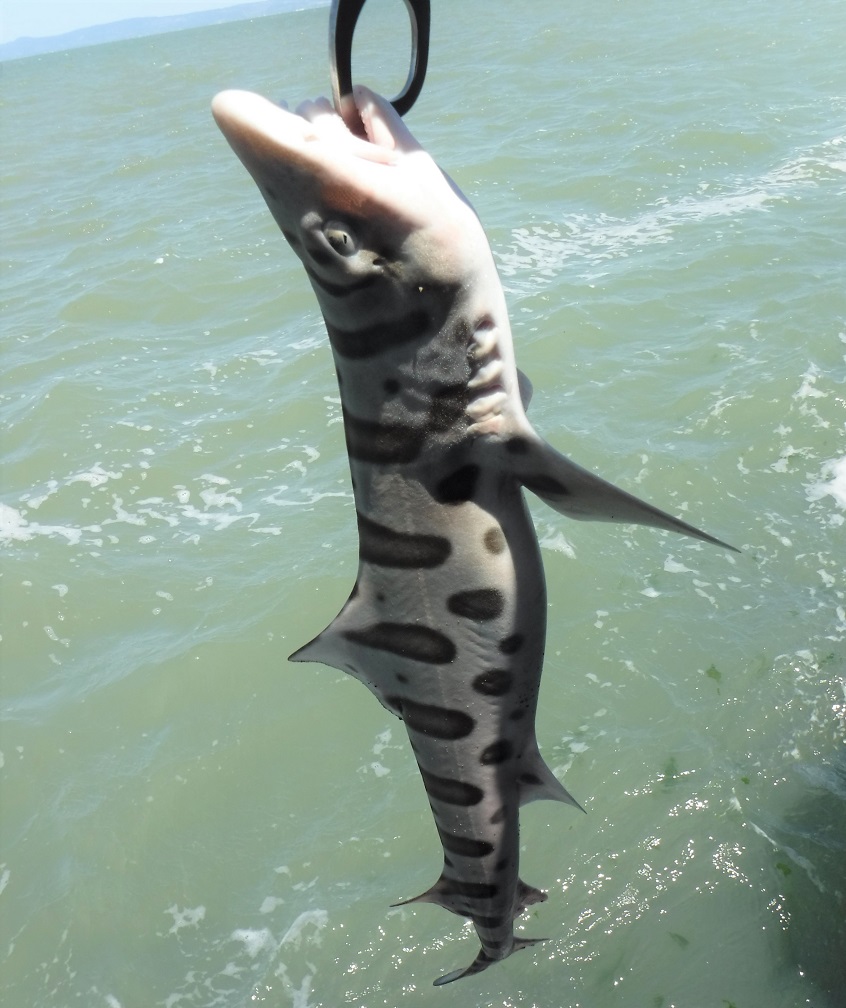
(446, 622)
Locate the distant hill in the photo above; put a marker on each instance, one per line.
(137, 27)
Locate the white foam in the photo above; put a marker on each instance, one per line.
(383, 740)
(832, 483)
(554, 539)
(316, 919)
(187, 917)
(95, 476)
(13, 526)
(594, 240)
(254, 940)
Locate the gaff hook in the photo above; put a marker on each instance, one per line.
(342, 21)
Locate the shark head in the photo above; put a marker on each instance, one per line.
(354, 205)
(396, 256)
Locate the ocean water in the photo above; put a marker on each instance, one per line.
(189, 820)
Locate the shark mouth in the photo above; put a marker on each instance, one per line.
(254, 124)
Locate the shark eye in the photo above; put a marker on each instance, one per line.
(340, 238)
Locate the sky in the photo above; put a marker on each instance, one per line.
(55, 17)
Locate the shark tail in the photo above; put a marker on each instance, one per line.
(483, 960)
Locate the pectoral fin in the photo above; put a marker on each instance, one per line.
(578, 493)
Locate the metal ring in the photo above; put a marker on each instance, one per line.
(343, 18)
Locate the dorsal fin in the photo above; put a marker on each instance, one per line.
(324, 648)
(440, 895)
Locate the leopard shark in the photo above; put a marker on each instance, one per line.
(446, 622)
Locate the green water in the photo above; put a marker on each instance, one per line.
(187, 819)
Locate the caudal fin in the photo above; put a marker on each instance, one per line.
(483, 960)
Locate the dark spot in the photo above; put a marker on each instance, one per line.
(517, 715)
(408, 640)
(512, 644)
(502, 864)
(448, 406)
(386, 547)
(494, 540)
(543, 484)
(401, 678)
(380, 597)
(480, 604)
(391, 386)
(529, 778)
(472, 890)
(384, 443)
(465, 846)
(517, 445)
(498, 816)
(496, 752)
(436, 722)
(451, 792)
(447, 862)
(496, 682)
(459, 486)
(370, 341)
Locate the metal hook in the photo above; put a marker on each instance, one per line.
(342, 21)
